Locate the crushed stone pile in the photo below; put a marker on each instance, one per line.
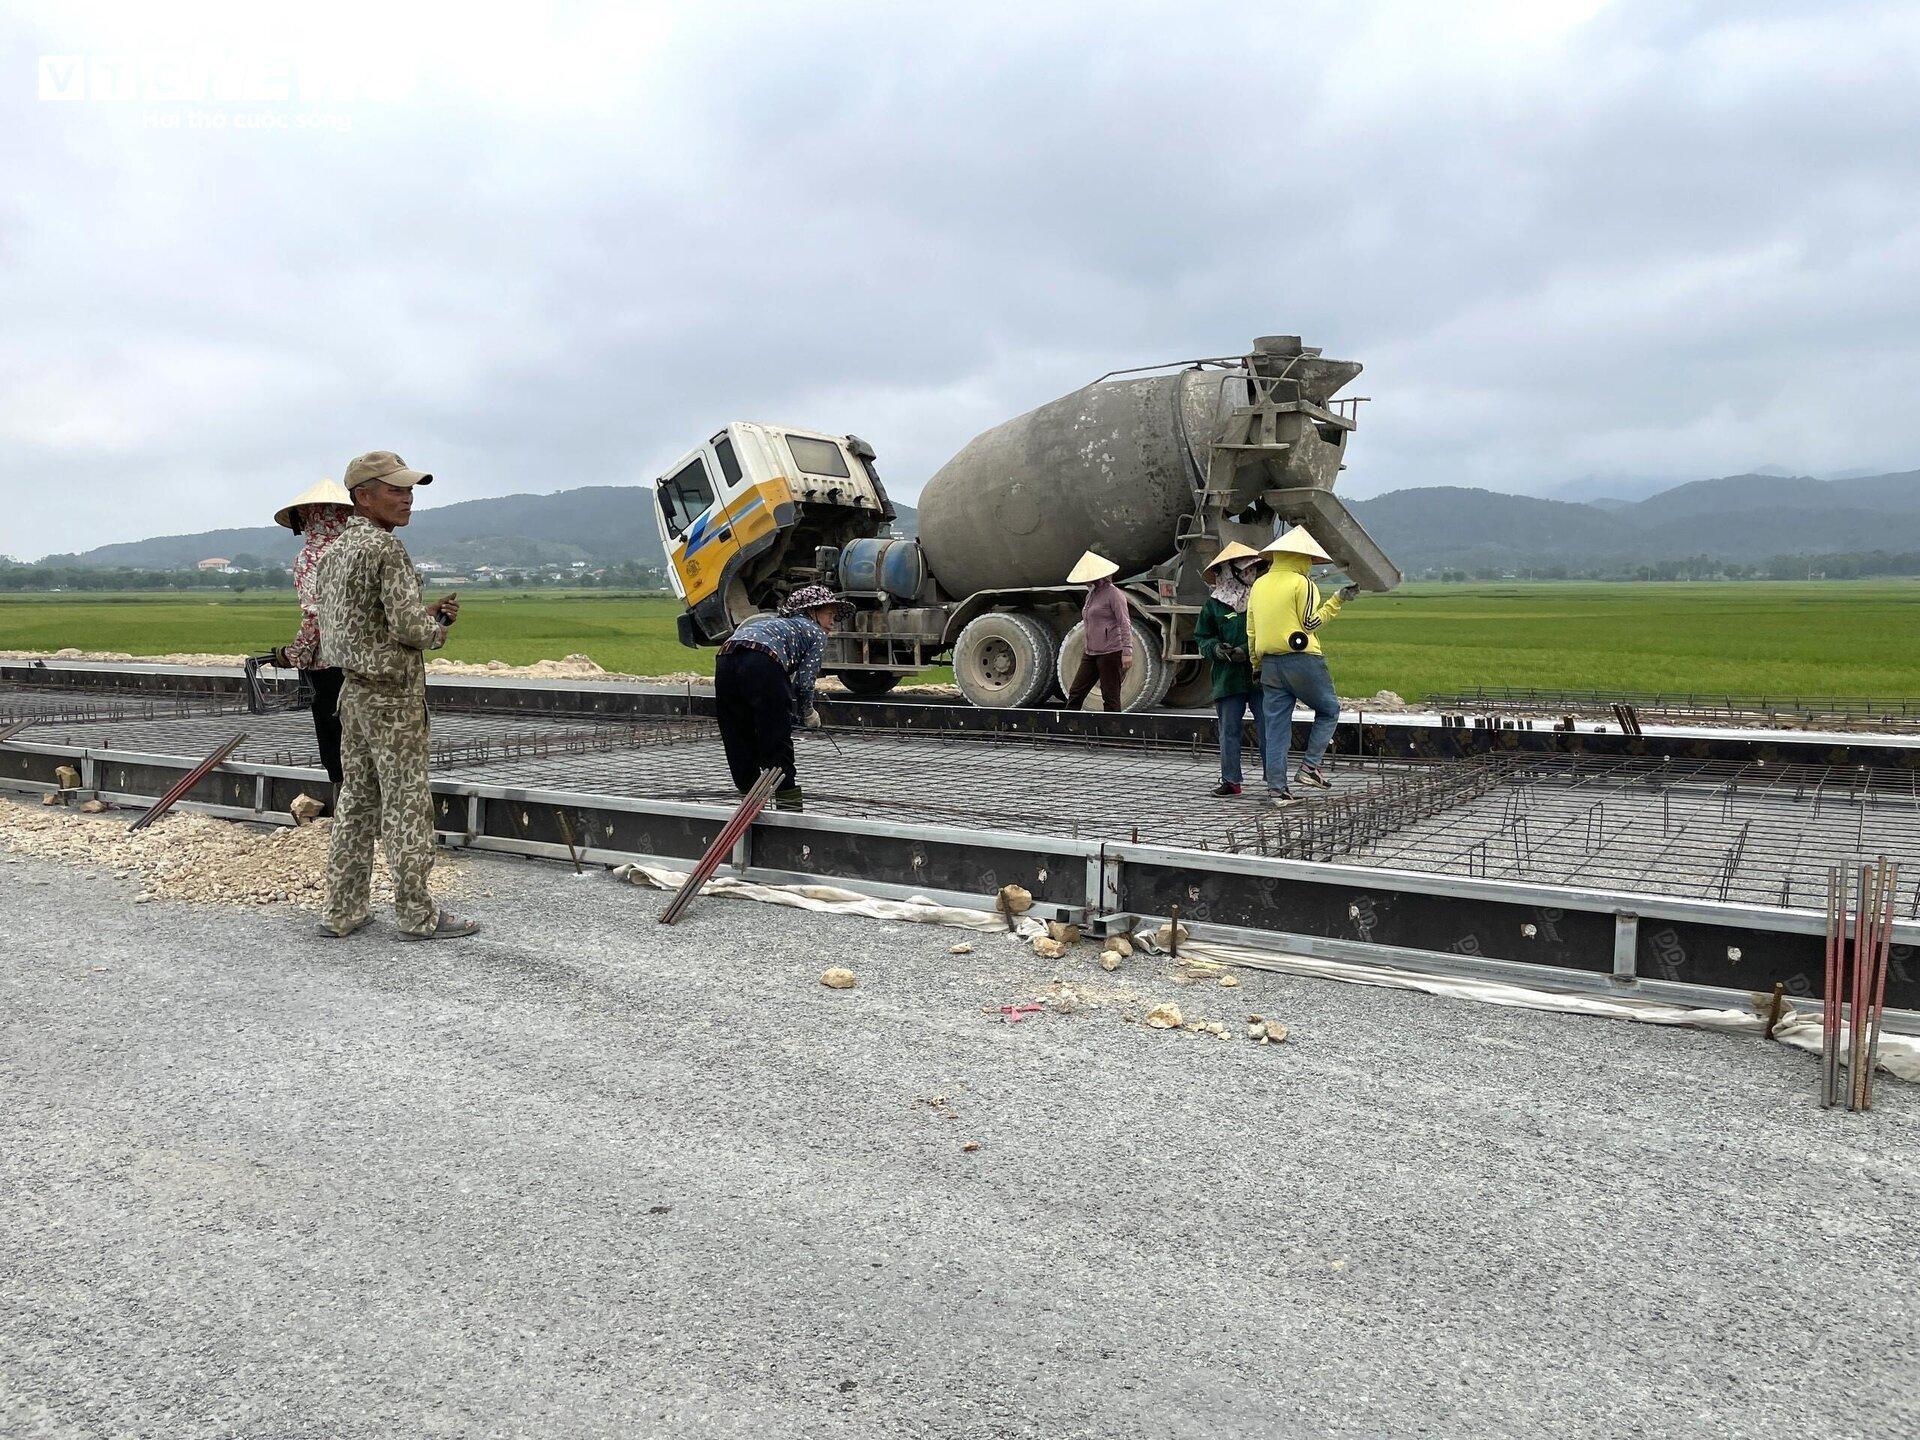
(195, 858)
(570, 667)
(1386, 702)
(185, 657)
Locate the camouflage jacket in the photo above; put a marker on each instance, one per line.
(372, 624)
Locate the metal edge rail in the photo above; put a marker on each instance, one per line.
(1615, 941)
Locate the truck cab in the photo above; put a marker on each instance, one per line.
(742, 517)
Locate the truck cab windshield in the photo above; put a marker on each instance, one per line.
(684, 495)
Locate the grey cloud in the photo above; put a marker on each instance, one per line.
(1663, 239)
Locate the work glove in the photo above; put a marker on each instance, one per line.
(811, 720)
(1347, 592)
(1233, 654)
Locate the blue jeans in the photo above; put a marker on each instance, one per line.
(1232, 711)
(1285, 679)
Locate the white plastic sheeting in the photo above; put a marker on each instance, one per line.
(1899, 1054)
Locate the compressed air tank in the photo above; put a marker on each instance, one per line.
(883, 564)
(1111, 467)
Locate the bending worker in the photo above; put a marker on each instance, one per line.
(1106, 627)
(373, 626)
(317, 516)
(1285, 614)
(763, 687)
(1220, 635)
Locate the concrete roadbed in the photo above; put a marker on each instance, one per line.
(589, 1176)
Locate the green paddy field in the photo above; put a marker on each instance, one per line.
(1823, 638)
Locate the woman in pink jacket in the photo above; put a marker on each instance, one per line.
(1108, 631)
(317, 516)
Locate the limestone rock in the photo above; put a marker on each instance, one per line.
(305, 809)
(1063, 932)
(1165, 1017)
(1163, 937)
(1047, 948)
(837, 978)
(1121, 943)
(1015, 900)
(1276, 1032)
(965, 947)
(93, 807)
(1230, 982)
(68, 777)
(1109, 959)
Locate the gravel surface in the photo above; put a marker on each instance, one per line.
(586, 1176)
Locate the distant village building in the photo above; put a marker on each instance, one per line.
(217, 562)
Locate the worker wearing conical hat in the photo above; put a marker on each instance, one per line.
(317, 515)
(1285, 615)
(1220, 635)
(1107, 625)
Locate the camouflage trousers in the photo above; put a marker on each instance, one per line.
(383, 794)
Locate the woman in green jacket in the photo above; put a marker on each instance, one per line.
(1220, 635)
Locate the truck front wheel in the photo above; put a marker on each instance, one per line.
(866, 682)
(1004, 660)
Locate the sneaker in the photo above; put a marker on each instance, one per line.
(1311, 775)
(1280, 799)
(1226, 787)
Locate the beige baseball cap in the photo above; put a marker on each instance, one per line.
(383, 465)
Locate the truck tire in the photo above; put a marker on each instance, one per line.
(866, 682)
(1142, 687)
(1192, 685)
(1003, 660)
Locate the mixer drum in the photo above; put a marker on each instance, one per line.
(1112, 467)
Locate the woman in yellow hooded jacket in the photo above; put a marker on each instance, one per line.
(1285, 614)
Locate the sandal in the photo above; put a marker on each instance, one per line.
(445, 927)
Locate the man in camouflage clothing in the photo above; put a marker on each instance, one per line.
(374, 627)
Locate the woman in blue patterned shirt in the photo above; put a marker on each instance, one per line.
(763, 687)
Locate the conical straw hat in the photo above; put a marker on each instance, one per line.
(1090, 567)
(1298, 542)
(1233, 550)
(327, 492)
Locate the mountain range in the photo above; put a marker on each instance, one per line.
(1735, 518)
(1741, 518)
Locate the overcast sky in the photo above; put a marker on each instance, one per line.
(1565, 239)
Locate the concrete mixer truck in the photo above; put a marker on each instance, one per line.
(1154, 468)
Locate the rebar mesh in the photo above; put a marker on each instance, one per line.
(1751, 832)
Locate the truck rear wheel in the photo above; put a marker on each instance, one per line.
(1003, 660)
(867, 682)
(1142, 687)
(1192, 685)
